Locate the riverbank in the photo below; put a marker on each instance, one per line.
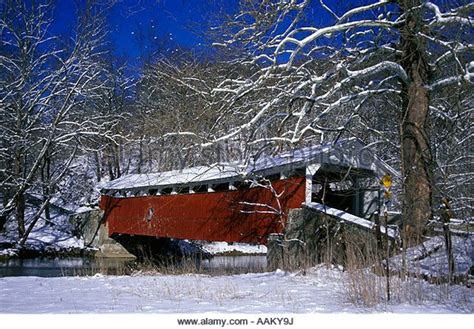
(27, 253)
(49, 238)
(90, 266)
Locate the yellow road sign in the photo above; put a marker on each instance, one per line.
(386, 181)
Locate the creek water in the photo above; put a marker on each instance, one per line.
(83, 266)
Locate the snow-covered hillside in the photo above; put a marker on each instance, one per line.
(55, 234)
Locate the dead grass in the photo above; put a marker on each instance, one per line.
(365, 282)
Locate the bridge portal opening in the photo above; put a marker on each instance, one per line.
(351, 190)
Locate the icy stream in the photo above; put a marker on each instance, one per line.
(80, 266)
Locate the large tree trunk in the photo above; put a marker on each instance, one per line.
(415, 148)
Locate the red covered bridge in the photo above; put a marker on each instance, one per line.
(235, 204)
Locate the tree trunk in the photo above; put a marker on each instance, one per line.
(7, 194)
(20, 213)
(108, 156)
(449, 252)
(446, 215)
(140, 156)
(415, 148)
(20, 199)
(116, 157)
(149, 156)
(32, 224)
(98, 170)
(45, 177)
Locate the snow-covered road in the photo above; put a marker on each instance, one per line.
(320, 291)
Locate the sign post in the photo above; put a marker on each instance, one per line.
(386, 183)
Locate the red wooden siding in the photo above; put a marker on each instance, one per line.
(216, 216)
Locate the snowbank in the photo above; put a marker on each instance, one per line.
(430, 258)
(54, 234)
(216, 248)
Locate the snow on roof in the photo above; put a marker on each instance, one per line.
(175, 177)
(303, 155)
(348, 152)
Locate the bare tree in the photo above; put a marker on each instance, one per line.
(453, 134)
(48, 89)
(323, 69)
(174, 107)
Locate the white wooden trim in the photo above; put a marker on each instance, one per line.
(310, 172)
(232, 186)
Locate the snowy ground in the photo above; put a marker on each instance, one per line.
(242, 248)
(430, 257)
(53, 235)
(320, 291)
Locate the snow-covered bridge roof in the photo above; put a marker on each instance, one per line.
(345, 153)
(175, 177)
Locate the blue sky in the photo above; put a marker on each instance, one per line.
(140, 28)
(140, 25)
